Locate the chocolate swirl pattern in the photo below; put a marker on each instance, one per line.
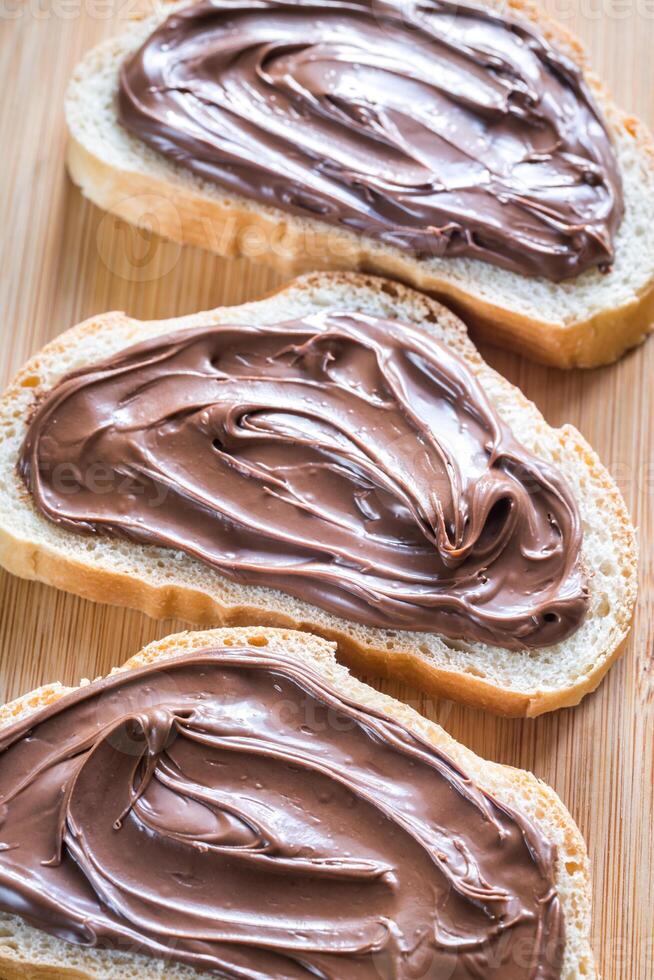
(347, 460)
(231, 811)
(439, 127)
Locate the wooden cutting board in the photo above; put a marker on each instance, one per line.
(62, 260)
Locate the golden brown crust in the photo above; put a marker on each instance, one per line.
(177, 602)
(293, 249)
(35, 560)
(295, 246)
(514, 786)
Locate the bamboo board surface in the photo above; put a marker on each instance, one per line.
(62, 260)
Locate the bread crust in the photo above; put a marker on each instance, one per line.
(514, 787)
(368, 650)
(193, 606)
(232, 227)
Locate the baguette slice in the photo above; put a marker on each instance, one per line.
(163, 582)
(589, 320)
(27, 952)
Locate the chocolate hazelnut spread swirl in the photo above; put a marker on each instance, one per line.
(230, 810)
(443, 128)
(347, 460)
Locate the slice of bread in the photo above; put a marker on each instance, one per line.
(585, 321)
(163, 582)
(27, 952)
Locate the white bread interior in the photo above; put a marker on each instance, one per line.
(163, 582)
(26, 952)
(585, 321)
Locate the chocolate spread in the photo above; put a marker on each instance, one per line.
(350, 461)
(443, 128)
(228, 809)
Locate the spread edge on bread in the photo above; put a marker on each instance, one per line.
(232, 806)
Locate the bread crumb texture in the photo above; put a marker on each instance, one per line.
(163, 582)
(28, 953)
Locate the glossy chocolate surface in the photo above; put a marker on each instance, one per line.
(439, 127)
(347, 460)
(230, 810)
